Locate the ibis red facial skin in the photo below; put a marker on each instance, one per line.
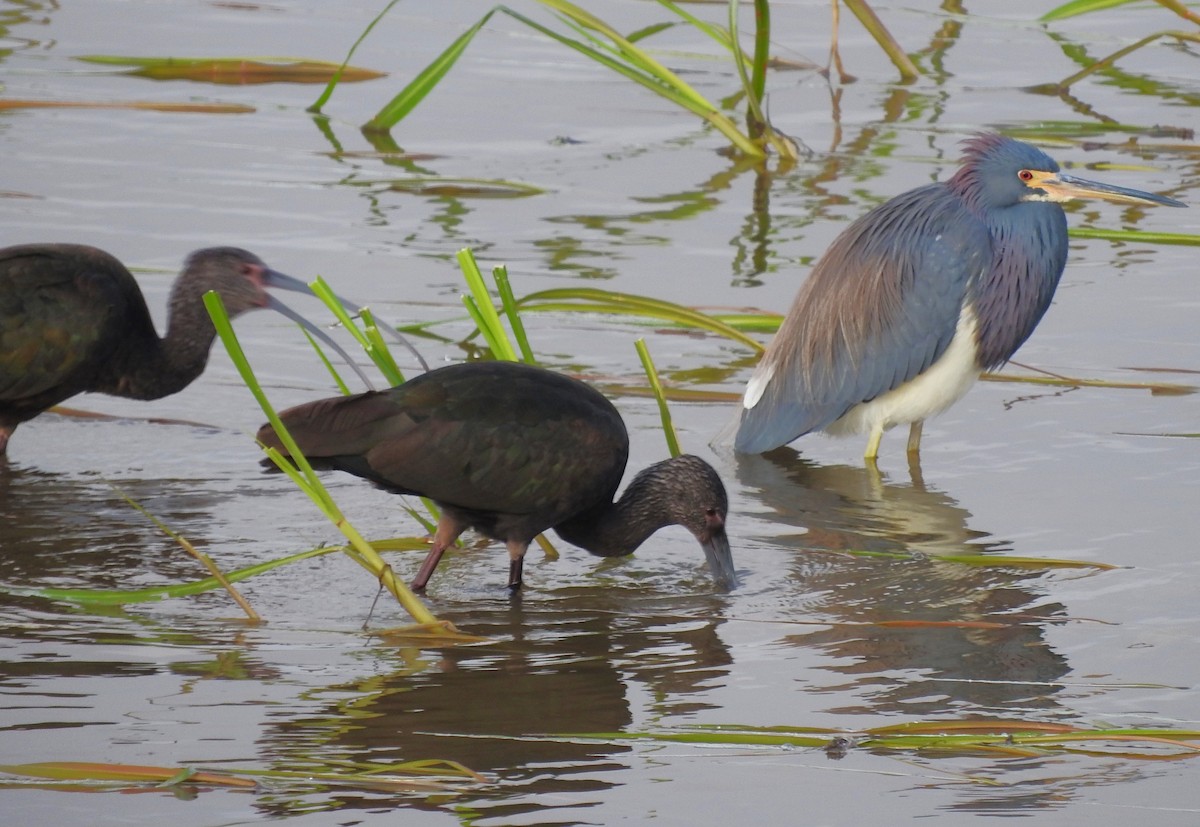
(919, 296)
(72, 319)
(512, 450)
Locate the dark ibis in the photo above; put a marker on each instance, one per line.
(72, 319)
(512, 450)
(919, 296)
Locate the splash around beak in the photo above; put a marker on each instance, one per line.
(720, 559)
(1060, 187)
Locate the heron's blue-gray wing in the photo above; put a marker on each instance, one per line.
(879, 308)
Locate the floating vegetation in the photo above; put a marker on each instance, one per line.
(989, 737)
(236, 70)
(149, 106)
(995, 561)
(422, 776)
(1137, 236)
(448, 187)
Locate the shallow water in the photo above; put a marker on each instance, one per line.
(638, 197)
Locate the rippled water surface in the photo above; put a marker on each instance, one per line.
(637, 197)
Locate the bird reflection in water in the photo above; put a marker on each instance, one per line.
(915, 633)
(76, 531)
(591, 661)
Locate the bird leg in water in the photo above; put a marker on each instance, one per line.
(447, 532)
(873, 442)
(516, 563)
(914, 436)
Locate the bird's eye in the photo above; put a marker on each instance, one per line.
(711, 512)
(1025, 175)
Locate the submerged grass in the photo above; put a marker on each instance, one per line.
(204, 559)
(120, 597)
(421, 776)
(999, 737)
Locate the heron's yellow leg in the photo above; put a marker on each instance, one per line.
(873, 443)
(914, 436)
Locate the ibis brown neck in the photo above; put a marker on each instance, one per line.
(658, 496)
(149, 367)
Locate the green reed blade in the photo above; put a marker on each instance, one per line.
(640, 68)
(607, 301)
(425, 81)
(509, 303)
(871, 22)
(371, 342)
(116, 597)
(1136, 236)
(359, 549)
(315, 108)
(380, 354)
(479, 304)
(663, 410)
(337, 377)
(1076, 7)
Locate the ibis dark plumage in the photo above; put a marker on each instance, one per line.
(72, 319)
(512, 450)
(919, 296)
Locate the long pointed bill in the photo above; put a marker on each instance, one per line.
(1060, 187)
(388, 328)
(719, 557)
(281, 308)
(274, 278)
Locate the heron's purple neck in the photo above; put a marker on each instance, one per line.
(1029, 252)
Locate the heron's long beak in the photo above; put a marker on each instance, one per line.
(720, 559)
(1060, 187)
(273, 278)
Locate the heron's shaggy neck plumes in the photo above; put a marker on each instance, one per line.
(672, 492)
(1029, 249)
(987, 179)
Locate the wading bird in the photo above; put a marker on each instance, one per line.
(72, 319)
(919, 296)
(512, 450)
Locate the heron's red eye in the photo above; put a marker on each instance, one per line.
(1025, 175)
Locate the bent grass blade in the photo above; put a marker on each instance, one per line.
(119, 597)
(301, 473)
(656, 386)
(321, 100)
(204, 559)
(595, 300)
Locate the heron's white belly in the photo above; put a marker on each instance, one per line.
(941, 385)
